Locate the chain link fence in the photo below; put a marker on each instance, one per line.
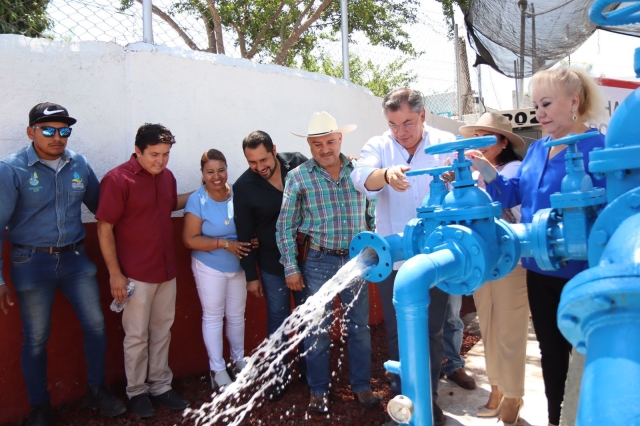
(432, 71)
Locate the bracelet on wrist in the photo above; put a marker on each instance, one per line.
(226, 244)
(386, 178)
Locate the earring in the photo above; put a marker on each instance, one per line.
(574, 115)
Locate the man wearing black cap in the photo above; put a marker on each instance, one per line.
(42, 188)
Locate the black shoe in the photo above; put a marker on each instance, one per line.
(171, 400)
(99, 397)
(140, 405)
(40, 415)
(439, 418)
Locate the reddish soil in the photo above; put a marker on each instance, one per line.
(291, 410)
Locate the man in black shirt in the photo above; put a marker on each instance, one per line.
(257, 197)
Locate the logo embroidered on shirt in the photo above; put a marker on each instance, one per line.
(76, 182)
(33, 181)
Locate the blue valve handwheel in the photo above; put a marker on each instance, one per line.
(469, 143)
(571, 139)
(622, 16)
(436, 171)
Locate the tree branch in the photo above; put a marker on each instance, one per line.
(241, 40)
(263, 31)
(173, 24)
(295, 35)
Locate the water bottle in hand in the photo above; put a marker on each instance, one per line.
(119, 306)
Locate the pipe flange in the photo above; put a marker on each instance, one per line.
(382, 248)
(456, 214)
(597, 295)
(473, 247)
(509, 250)
(546, 236)
(413, 237)
(579, 199)
(616, 212)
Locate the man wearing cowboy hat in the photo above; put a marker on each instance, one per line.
(321, 202)
(381, 174)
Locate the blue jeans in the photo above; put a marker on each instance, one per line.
(317, 270)
(278, 297)
(36, 276)
(452, 337)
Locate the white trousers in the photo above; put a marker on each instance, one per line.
(221, 294)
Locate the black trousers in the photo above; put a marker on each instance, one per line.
(544, 297)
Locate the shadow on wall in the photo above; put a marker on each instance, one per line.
(67, 367)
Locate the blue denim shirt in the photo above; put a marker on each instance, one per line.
(42, 207)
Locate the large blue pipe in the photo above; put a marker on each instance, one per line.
(411, 300)
(598, 314)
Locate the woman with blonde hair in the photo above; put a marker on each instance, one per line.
(565, 99)
(502, 305)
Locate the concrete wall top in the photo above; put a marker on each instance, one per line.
(207, 100)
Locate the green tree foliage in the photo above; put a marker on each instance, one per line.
(24, 17)
(285, 32)
(379, 79)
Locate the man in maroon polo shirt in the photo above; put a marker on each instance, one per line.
(136, 239)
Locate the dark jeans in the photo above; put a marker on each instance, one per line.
(452, 337)
(544, 297)
(437, 312)
(278, 297)
(316, 271)
(36, 277)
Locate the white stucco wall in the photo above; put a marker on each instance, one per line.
(207, 100)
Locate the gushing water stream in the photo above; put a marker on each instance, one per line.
(265, 366)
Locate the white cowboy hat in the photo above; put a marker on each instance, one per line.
(497, 123)
(322, 123)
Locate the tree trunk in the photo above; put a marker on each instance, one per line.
(211, 36)
(217, 26)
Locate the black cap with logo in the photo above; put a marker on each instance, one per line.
(47, 111)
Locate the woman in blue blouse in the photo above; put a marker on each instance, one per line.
(210, 231)
(564, 99)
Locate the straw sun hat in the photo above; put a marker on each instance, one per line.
(322, 123)
(496, 123)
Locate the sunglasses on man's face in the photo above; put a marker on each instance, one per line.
(50, 131)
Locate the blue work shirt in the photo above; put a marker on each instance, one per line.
(534, 183)
(42, 207)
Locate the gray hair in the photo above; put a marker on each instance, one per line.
(397, 97)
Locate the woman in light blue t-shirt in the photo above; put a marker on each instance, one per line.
(215, 260)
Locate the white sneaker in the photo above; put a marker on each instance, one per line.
(220, 379)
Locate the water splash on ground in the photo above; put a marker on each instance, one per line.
(264, 368)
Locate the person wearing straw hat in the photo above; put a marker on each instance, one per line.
(321, 202)
(381, 174)
(502, 305)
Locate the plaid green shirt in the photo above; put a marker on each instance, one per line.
(332, 213)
